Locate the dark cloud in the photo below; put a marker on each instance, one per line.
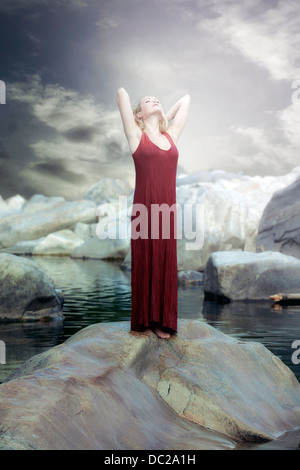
(57, 169)
(4, 155)
(114, 150)
(81, 134)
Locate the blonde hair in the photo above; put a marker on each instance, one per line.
(163, 123)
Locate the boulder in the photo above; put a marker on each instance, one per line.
(218, 220)
(25, 248)
(39, 202)
(61, 243)
(109, 388)
(85, 231)
(279, 227)
(27, 293)
(41, 216)
(247, 276)
(189, 278)
(107, 190)
(109, 249)
(14, 203)
(229, 210)
(112, 237)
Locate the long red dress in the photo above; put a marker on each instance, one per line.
(154, 260)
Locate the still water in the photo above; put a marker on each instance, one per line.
(98, 291)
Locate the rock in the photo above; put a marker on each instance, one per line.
(221, 217)
(112, 239)
(39, 202)
(27, 293)
(41, 216)
(14, 203)
(279, 228)
(189, 278)
(109, 388)
(85, 231)
(250, 276)
(61, 243)
(107, 190)
(209, 177)
(23, 248)
(94, 248)
(230, 207)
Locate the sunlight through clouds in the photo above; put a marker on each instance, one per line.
(271, 38)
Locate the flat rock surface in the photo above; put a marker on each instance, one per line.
(246, 276)
(109, 388)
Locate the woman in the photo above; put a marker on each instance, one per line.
(153, 256)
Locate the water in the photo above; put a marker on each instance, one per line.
(97, 291)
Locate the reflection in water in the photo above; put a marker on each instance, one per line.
(273, 326)
(97, 291)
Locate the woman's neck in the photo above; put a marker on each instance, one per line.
(152, 125)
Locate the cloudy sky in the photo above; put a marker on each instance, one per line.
(62, 62)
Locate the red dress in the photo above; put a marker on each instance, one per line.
(154, 258)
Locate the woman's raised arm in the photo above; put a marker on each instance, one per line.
(178, 114)
(131, 129)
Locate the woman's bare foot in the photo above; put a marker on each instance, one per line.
(161, 334)
(147, 330)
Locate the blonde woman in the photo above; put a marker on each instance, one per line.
(152, 142)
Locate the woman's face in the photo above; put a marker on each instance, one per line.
(150, 105)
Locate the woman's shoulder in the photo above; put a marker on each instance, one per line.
(170, 137)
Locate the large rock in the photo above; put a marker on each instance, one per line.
(112, 235)
(27, 293)
(279, 228)
(41, 216)
(250, 276)
(61, 243)
(25, 248)
(218, 219)
(109, 248)
(14, 203)
(109, 388)
(85, 231)
(229, 210)
(107, 190)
